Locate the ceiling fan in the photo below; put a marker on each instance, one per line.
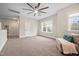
(35, 9)
(14, 11)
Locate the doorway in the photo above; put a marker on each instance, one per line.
(12, 27)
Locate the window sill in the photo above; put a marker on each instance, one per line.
(47, 32)
(73, 30)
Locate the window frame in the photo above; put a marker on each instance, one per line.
(47, 26)
(70, 24)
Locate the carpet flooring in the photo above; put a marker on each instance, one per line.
(30, 46)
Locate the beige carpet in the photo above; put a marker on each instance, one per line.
(30, 46)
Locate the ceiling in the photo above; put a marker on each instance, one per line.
(53, 8)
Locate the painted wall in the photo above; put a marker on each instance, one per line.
(0, 25)
(53, 19)
(60, 21)
(25, 27)
(3, 38)
(28, 27)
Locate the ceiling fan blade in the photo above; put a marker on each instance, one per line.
(14, 11)
(30, 5)
(43, 8)
(42, 12)
(27, 9)
(29, 12)
(38, 5)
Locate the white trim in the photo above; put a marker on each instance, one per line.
(73, 30)
(74, 15)
(3, 45)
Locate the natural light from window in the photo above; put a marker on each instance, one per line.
(46, 26)
(73, 22)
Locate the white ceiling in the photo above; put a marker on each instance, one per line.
(53, 8)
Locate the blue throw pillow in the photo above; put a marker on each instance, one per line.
(68, 38)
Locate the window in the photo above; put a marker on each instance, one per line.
(46, 26)
(74, 22)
